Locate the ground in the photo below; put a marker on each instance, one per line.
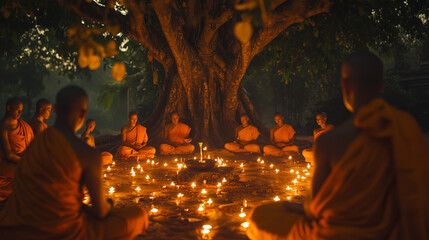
(236, 185)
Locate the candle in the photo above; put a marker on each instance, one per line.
(210, 201)
(245, 203)
(193, 185)
(111, 190)
(180, 195)
(147, 177)
(165, 164)
(292, 171)
(105, 175)
(288, 188)
(113, 163)
(277, 199)
(201, 208)
(138, 189)
(290, 157)
(108, 168)
(241, 165)
(172, 184)
(219, 184)
(223, 180)
(154, 210)
(203, 191)
(277, 171)
(245, 224)
(138, 166)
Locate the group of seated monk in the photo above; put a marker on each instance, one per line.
(370, 176)
(46, 201)
(282, 137)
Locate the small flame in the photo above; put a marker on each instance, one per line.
(219, 184)
(290, 157)
(245, 224)
(242, 215)
(224, 180)
(277, 171)
(111, 190)
(108, 168)
(277, 199)
(203, 191)
(138, 189)
(180, 195)
(210, 201)
(193, 185)
(154, 210)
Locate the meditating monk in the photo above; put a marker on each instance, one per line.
(245, 138)
(46, 202)
(134, 140)
(43, 112)
(106, 157)
(16, 135)
(371, 172)
(321, 119)
(176, 137)
(282, 137)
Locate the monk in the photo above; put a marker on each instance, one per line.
(176, 137)
(46, 202)
(16, 135)
(43, 112)
(245, 138)
(134, 140)
(371, 172)
(106, 157)
(321, 119)
(282, 137)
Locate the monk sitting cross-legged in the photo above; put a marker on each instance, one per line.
(282, 137)
(46, 202)
(321, 121)
(134, 140)
(176, 139)
(16, 135)
(43, 112)
(245, 138)
(371, 172)
(106, 157)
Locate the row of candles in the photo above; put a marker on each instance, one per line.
(300, 175)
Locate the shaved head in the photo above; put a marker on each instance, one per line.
(69, 98)
(364, 70)
(71, 106)
(13, 101)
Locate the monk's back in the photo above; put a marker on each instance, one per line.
(46, 201)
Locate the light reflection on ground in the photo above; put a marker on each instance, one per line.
(210, 205)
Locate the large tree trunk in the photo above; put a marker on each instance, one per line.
(203, 61)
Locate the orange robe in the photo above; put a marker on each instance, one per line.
(47, 198)
(19, 139)
(284, 134)
(378, 190)
(44, 126)
(308, 153)
(106, 157)
(248, 134)
(136, 136)
(177, 136)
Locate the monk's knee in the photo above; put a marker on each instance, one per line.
(191, 148)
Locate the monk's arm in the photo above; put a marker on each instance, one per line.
(322, 168)
(10, 156)
(92, 180)
(272, 136)
(124, 138)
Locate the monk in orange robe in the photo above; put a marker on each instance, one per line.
(321, 121)
(176, 138)
(282, 137)
(371, 175)
(134, 140)
(16, 135)
(43, 112)
(106, 157)
(46, 202)
(245, 138)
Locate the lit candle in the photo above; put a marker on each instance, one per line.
(133, 174)
(277, 199)
(245, 224)
(290, 157)
(288, 188)
(241, 165)
(138, 189)
(105, 175)
(259, 159)
(138, 166)
(165, 164)
(111, 190)
(210, 201)
(288, 198)
(308, 165)
(172, 184)
(272, 165)
(193, 185)
(242, 215)
(219, 184)
(154, 210)
(292, 171)
(224, 180)
(201, 208)
(175, 160)
(113, 163)
(180, 195)
(262, 161)
(203, 191)
(277, 171)
(295, 181)
(147, 177)
(108, 168)
(245, 203)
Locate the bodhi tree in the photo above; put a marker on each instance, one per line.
(203, 61)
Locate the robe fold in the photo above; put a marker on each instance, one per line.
(248, 134)
(283, 134)
(177, 136)
(47, 198)
(308, 153)
(19, 139)
(136, 136)
(378, 190)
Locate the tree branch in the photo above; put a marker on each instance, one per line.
(187, 60)
(284, 15)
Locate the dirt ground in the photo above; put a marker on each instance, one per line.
(235, 186)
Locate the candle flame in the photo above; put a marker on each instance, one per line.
(105, 175)
(277, 171)
(206, 231)
(172, 184)
(210, 201)
(111, 190)
(242, 215)
(201, 208)
(138, 189)
(113, 163)
(180, 195)
(288, 188)
(241, 165)
(245, 224)
(203, 191)
(219, 184)
(154, 210)
(277, 199)
(224, 180)
(108, 168)
(290, 157)
(193, 185)
(147, 177)
(207, 227)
